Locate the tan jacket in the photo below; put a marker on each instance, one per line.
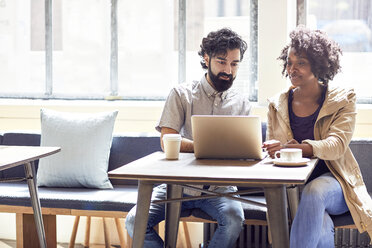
(333, 131)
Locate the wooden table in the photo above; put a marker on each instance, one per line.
(154, 169)
(12, 156)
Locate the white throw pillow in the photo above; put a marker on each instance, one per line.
(85, 141)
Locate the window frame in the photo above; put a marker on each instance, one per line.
(114, 94)
(301, 18)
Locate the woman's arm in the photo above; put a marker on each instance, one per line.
(336, 134)
(307, 150)
(272, 146)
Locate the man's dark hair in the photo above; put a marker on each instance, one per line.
(322, 52)
(219, 42)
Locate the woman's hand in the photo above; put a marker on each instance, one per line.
(292, 141)
(272, 146)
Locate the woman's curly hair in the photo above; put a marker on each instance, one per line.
(322, 52)
(219, 42)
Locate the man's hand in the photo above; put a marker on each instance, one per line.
(186, 144)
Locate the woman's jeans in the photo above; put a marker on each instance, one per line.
(228, 213)
(312, 226)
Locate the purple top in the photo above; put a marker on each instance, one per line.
(303, 128)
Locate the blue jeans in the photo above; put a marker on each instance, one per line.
(228, 213)
(312, 226)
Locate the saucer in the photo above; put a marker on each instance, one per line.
(301, 162)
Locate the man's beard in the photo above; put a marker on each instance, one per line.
(219, 84)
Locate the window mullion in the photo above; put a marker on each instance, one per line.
(301, 12)
(253, 50)
(48, 48)
(181, 41)
(114, 50)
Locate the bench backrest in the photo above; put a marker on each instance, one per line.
(362, 151)
(125, 148)
(129, 147)
(20, 139)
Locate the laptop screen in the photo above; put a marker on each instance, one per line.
(227, 137)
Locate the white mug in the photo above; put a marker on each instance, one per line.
(289, 154)
(172, 145)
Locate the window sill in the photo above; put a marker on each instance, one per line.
(134, 116)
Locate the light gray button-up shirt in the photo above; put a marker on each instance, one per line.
(199, 98)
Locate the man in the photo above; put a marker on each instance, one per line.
(221, 52)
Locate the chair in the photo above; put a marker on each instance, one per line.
(124, 242)
(344, 223)
(119, 229)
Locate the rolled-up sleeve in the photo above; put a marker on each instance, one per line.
(173, 114)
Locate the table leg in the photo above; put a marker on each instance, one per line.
(172, 215)
(293, 201)
(35, 202)
(276, 200)
(142, 213)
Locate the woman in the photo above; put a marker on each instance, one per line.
(320, 120)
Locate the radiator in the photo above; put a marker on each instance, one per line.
(350, 238)
(250, 237)
(256, 237)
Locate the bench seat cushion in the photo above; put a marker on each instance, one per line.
(121, 198)
(343, 219)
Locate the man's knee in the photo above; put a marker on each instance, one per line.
(238, 221)
(234, 218)
(129, 222)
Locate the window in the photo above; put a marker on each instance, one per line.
(241, 16)
(99, 49)
(147, 64)
(19, 63)
(349, 23)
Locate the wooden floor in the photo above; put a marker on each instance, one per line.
(12, 244)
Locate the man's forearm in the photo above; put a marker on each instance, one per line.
(187, 145)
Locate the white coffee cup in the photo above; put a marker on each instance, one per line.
(172, 145)
(289, 154)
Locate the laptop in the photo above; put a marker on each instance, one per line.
(227, 137)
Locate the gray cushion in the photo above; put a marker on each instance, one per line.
(343, 219)
(123, 198)
(85, 140)
(19, 139)
(127, 148)
(361, 149)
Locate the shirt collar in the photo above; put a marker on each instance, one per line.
(210, 91)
